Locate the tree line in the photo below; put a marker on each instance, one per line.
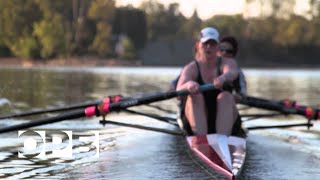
(44, 29)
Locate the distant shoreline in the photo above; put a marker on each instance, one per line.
(103, 62)
(69, 62)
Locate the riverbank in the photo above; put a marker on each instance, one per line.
(72, 61)
(87, 61)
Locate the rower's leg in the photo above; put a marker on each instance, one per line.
(195, 113)
(226, 113)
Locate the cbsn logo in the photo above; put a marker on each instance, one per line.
(37, 145)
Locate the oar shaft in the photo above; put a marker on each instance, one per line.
(280, 106)
(36, 112)
(179, 133)
(267, 104)
(64, 116)
(155, 97)
(278, 126)
(125, 103)
(154, 116)
(58, 109)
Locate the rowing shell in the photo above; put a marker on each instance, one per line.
(225, 154)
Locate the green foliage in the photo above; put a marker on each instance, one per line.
(25, 46)
(51, 36)
(16, 23)
(102, 13)
(102, 10)
(228, 25)
(51, 28)
(162, 22)
(101, 42)
(191, 27)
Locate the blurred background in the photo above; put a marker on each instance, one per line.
(282, 33)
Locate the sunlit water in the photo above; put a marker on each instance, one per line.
(127, 153)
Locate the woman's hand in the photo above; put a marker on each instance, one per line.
(219, 81)
(192, 87)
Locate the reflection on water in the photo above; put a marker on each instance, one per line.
(127, 153)
(300, 85)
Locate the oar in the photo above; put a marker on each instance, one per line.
(36, 112)
(68, 108)
(142, 100)
(278, 126)
(251, 117)
(281, 106)
(309, 112)
(161, 109)
(107, 107)
(180, 133)
(169, 120)
(68, 115)
(58, 109)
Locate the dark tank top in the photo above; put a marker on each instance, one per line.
(210, 99)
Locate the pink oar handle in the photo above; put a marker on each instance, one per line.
(92, 110)
(309, 112)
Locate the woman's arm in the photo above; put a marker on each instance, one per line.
(187, 79)
(229, 72)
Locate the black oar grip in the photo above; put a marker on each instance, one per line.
(203, 88)
(155, 97)
(207, 87)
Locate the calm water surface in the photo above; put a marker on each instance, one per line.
(127, 153)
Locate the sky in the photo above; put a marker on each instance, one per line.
(208, 8)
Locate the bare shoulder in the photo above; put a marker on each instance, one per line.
(190, 69)
(190, 66)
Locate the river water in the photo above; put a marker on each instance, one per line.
(127, 153)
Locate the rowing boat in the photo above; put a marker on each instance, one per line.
(224, 154)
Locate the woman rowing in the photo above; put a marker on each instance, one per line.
(213, 111)
(228, 47)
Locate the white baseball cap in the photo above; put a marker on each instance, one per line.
(209, 33)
